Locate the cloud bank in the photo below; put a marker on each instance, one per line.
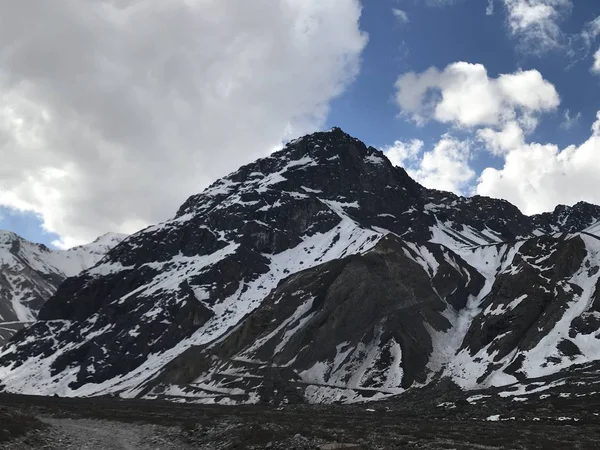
(112, 113)
(536, 177)
(498, 113)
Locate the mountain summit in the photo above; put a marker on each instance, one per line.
(321, 273)
(30, 274)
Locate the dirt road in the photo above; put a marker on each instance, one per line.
(89, 434)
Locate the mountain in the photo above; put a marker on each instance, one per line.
(30, 274)
(322, 273)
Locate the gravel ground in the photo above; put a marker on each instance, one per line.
(413, 423)
(86, 434)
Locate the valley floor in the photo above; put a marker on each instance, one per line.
(416, 422)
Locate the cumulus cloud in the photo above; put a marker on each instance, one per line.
(464, 95)
(489, 10)
(402, 153)
(536, 23)
(501, 142)
(536, 177)
(112, 113)
(500, 113)
(445, 167)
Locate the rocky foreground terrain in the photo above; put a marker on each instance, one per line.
(425, 420)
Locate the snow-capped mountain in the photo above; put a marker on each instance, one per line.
(321, 273)
(30, 274)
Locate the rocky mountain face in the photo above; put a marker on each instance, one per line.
(30, 273)
(322, 273)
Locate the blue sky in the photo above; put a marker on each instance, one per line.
(438, 36)
(27, 225)
(110, 128)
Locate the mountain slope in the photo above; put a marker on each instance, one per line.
(484, 316)
(319, 273)
(30, 274)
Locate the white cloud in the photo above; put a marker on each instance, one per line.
(463, 94)
(445, 167)
(400, 15)
(596, 66)
(536, 177)
(489, 10)
(584, 43)
(536, 23)
(501, 112)
(500, 142)
(112, 113)
(591, 31)
(402, 153)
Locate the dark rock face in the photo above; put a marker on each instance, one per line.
(481, 213)
(320, 273)
(540, 284)
(568, 219)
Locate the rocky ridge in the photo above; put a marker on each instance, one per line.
(30, 274)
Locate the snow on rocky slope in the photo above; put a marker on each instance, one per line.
(30, 274)
(321, 273)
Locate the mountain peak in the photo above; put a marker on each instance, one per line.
(14, 243)
(323, 263)
(569, 218)
(31, 272)
(106, 239)
(6, 237)
(330, 165)
(335, 130)
(333, 140)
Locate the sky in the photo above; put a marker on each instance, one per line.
(113, 112)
